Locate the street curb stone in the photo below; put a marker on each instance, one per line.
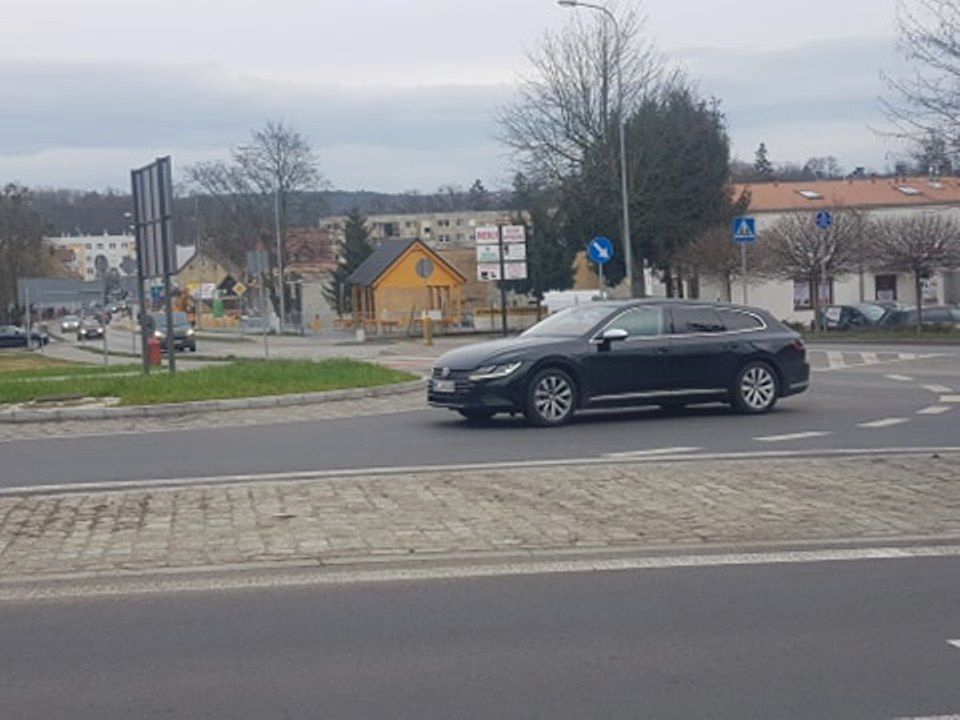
(202, 406)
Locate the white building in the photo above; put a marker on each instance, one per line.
(86, 249)
(878, 198)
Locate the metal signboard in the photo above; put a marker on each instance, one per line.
(600, 250)
(823, 219)
(744, 230)
(515, 271)
(153, 218)
(488, 254)
(488, 271)
(514, 234)
(487, 235)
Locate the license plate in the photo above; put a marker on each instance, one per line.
(444, 386)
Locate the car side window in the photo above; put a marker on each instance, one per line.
(733, 320)
(696, 320)
(640, 322)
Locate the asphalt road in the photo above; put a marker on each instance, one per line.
(859, 639)
(878, 406)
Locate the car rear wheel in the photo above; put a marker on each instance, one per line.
(551, 398)
(756, 389)
(476, 414)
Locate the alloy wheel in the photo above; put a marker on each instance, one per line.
(758, 388)
(553, 398)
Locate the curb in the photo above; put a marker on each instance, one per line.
(203, 406)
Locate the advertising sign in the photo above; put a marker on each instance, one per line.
(488, 254)
(487, 235)
(488, 271)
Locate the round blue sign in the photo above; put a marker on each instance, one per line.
(824, 220)
(600, 250)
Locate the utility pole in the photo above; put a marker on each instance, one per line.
(280, 286)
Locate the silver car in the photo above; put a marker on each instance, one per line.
(69, 323)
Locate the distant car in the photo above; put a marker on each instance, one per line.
(615, 354)
(946, 315)
(90, 329)
(12, 336)
(70, 323)
(184, 336)
(852, 317)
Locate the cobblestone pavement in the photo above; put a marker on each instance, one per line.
(614, 506)
(414, 400)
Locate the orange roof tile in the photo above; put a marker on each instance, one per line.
(858, 193)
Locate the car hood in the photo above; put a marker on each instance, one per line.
(518, 348)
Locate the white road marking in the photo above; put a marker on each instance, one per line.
(653, 453)
(938, 389)
(900, 378)
(793, 436)
(934, 410)
(950, 399)
(835, 359)
(302, 475)
(955, 643)
(932, 717)
(298, 574)
(886, 422)
(869, 358)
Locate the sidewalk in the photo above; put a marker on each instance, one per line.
(354, 520)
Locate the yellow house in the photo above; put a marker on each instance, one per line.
(400, 281)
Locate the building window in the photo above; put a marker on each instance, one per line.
(113, 246)
(886, 287)
(444, 238)
(88, 246)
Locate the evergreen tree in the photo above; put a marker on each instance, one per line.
(762, 164)
(356, 248)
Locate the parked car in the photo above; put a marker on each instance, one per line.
(852, 317)
(12, 336)
(70, 323)
(946, 315)
(184, 336)
(606, 354)
(90, 329)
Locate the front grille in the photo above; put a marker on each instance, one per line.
(437, 374)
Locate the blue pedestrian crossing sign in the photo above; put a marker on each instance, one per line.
(824, 219)
(600, 250)
(744, 230)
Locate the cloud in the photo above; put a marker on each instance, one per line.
(85, 124)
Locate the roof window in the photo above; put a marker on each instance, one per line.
(810, 194)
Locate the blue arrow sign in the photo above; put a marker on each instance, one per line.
(600, 250)
(824, 219)
(744, 230)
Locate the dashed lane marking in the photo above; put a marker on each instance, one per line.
(793, 436)
(653, 453)
(954, 643)
(934, 410)
(843, 360)
(886, 422)
(900, 378)
(938, 389)
(950, 399)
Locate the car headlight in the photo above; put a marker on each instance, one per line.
(191, 332)
(495, 372)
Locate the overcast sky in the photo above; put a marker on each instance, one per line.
(400, 94)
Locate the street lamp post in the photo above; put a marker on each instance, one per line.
(276, 219)
(624, 194)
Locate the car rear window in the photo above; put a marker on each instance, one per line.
(734, 320)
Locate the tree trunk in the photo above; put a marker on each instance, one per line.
(668, 281)
(815, 300)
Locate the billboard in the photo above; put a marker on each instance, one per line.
(153, 218)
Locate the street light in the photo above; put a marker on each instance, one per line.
(625, 200)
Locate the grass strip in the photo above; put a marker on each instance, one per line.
(244, 378)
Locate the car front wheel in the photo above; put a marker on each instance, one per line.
(756, 389)
(551, 398)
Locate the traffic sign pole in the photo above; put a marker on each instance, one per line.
(743, 270)
(503, 288)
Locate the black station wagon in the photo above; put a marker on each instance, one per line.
(669, 353)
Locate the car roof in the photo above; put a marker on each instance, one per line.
(614, 304)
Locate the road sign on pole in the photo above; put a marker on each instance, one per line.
(744, 233)
(152, 187)
(600, 250)
(501, 255)
(823, 219)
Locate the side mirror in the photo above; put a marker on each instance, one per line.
(611, 335)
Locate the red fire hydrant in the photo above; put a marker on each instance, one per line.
(153, 351)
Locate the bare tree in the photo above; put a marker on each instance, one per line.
(927, 100)
(257, 188)
(794, 248)
(921, 244)
(567, 106)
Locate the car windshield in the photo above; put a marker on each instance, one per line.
(873, 313)
(572, 322)
(179, 320)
